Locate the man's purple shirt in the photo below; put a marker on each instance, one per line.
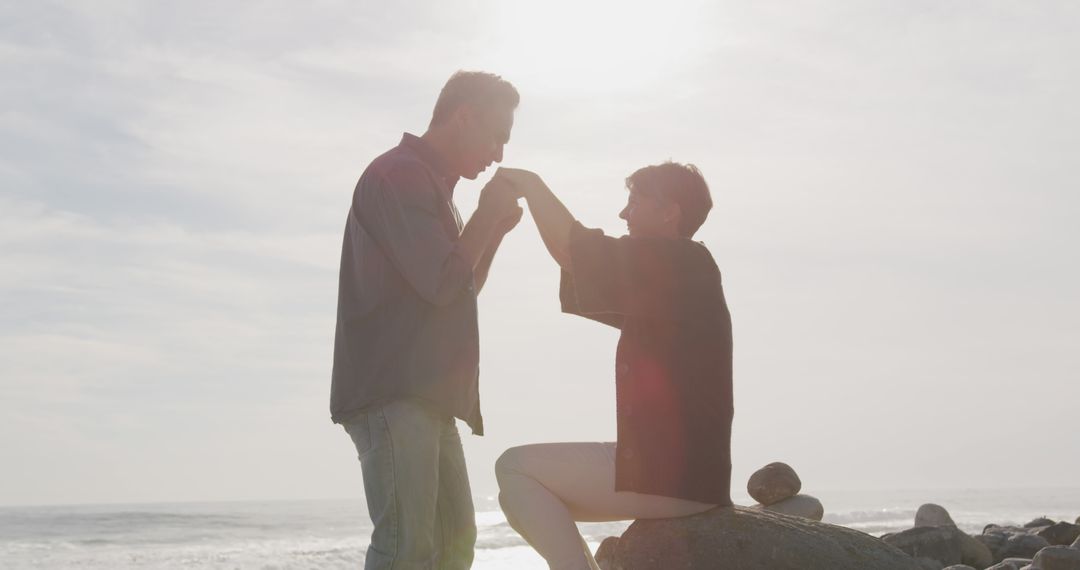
(406, 318)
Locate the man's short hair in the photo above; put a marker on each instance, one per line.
(478, 89)
(682, 184)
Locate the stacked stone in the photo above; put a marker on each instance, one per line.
(776, 488)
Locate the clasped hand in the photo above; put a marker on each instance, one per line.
(499, 197)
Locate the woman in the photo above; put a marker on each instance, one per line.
(672, 368)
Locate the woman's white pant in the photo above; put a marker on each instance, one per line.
(545, 488)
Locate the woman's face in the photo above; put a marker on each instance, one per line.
(648, 216)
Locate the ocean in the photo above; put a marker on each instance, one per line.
(279, 535)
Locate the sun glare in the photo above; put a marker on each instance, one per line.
(596, 46)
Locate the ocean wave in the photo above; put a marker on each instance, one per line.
(335, 535)
(870, 516)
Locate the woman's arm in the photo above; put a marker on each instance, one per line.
(552, 218)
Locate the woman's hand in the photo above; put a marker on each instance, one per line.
(552, 218)
(525, 182)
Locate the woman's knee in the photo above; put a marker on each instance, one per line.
(508, 463)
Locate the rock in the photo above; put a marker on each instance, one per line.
(1011, 542)
(774, 483)
(936, 543)
(739, 537)
(1022, 546)
(974, 552)
(1005, 529)
(1076, 544)
(929, 564)
(1041, 521)
(803, 506)
(946, 544)
(605, 553)
(1060, 533)
(1011, 564)
(1008, 529)
(933, 515)
(960, 567)
(1057, 558)
(993, 541)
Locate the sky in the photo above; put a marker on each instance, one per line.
(896, 203)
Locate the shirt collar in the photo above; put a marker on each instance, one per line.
(430, 156)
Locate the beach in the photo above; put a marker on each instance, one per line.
(329, 534)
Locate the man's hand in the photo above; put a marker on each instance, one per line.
(498, 199)
(498, 205)
(507, 223)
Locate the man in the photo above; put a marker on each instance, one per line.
(673, 368)
(406, 350)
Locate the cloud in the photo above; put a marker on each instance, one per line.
(894, 189)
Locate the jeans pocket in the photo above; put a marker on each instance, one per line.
(359, 429)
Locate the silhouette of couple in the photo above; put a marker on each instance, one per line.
(406, 351)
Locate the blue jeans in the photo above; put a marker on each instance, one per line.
(416, 486)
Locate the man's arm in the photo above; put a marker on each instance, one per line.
(399, 211)
(502, 228)
(552, 218)
(479, 239)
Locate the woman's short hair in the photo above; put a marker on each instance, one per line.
(682, 184)
(478, 89)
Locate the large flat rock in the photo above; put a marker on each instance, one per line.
(738, 538)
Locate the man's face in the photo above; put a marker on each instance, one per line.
(648, 216)
(484, 134)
